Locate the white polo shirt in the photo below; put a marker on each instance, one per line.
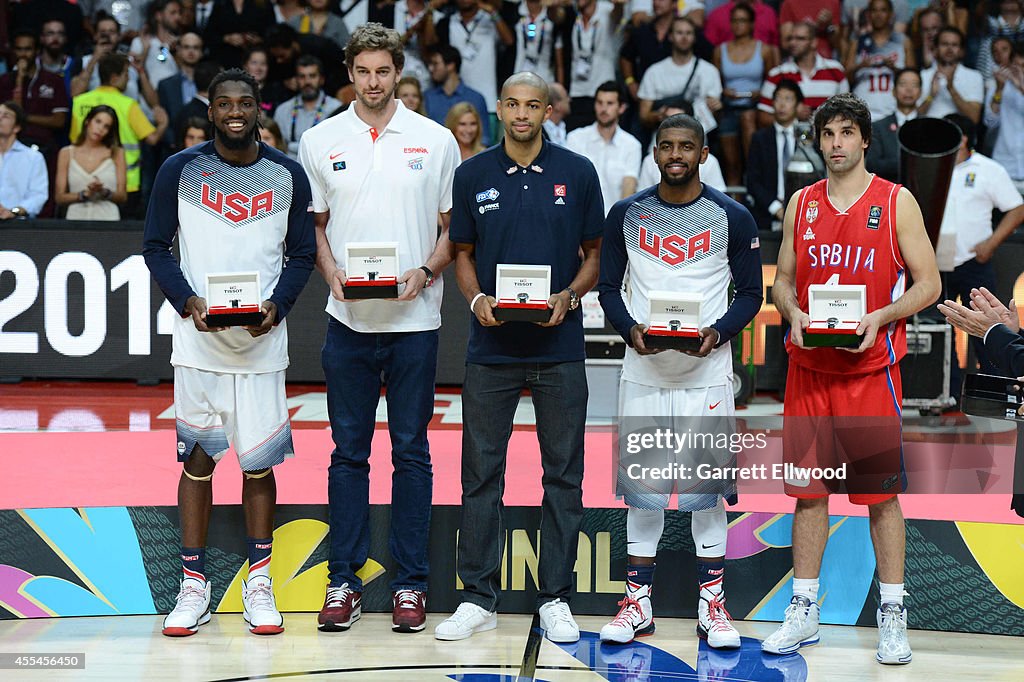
(968, 83)
(386, 190)
(595, 51)
(615, 161)
(668, 79)
(979, 184)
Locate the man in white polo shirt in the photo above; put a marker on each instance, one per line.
(379, 172)
(967, 241)
(948, 86)
(615, 153)
(683, 74)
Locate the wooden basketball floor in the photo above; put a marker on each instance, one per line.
(132, 648)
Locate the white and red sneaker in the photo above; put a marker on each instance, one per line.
(191, 610)
(259, 608)
(634, 619)
(713, 622)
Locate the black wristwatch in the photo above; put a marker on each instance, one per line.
(574, 299)
(430, 276)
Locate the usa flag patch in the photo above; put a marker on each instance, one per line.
(755, 243)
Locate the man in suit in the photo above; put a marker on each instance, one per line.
(770, 150)
(200, 103)
(998, 326)
(177, 90)
(883, 156)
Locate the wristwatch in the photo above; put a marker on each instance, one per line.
(430, 276)
(574, 299)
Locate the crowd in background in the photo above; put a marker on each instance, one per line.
(96, 94)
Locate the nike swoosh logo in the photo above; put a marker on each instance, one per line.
(715, 405)
(703, 546)
(208, 173)
(334, 156)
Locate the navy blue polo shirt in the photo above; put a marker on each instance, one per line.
(538, 215)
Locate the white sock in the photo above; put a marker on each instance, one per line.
(891, 593)
(806, 587)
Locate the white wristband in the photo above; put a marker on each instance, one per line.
(472, 304)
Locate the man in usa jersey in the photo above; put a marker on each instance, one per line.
(851, 228)
(683, 236)
(234, 204)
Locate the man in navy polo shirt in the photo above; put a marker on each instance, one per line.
(525, 201)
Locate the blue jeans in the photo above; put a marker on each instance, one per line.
(355, 365)
(490, 394)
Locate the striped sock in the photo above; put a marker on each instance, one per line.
(259, 556)
(193, 562)
(711, 576)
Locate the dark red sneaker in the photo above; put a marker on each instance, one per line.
(342, 607)
(410, 611)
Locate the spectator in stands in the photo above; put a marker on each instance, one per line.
(819, 78)
(872, 60)
(883, 156)
(475, 30)
(156, 50)
(40, 94)
(554, 126)
(411, 94)
(538, 43)
(309, 107)
(770, 151)
(596, 41)
(743, 63)
(53, 57)
(133, 126)
(414, 20)
(948, 86)
(710, 172)
(949, 12)
(1005, 115)
(201, 13)
(464, 122)
(824, 15)
(684, 75)
(445, 64)
(108, 38)
(130, 15)
(24, 185)
(91, 173)
(923, 33)
(1009, 24)
(235, 27)
(256, 64)
(317, 19)
(178, 90)
(718, 29)
(855, 18)
(647, 44)
(29, 15)
(193, 131)
(615, 153)
(270, 134)
(199, 105)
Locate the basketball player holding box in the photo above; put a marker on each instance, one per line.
(679, 389)
(851, 228)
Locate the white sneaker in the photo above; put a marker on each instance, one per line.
(558, 623)
(259, 608)
(800, 628)
(467, 620)
(634, 619)
(192, 609)
(713, 622)
(893, 645)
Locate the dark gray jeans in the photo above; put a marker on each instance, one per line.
(490, 394)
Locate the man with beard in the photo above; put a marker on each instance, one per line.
(380, 172)
(850, 228)
(308, 108)
(675, 388)
(615, 153)
(229, 382)
(53, 39)
(948, 86)
(523, 201)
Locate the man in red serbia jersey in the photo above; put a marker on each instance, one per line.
(851, 228)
